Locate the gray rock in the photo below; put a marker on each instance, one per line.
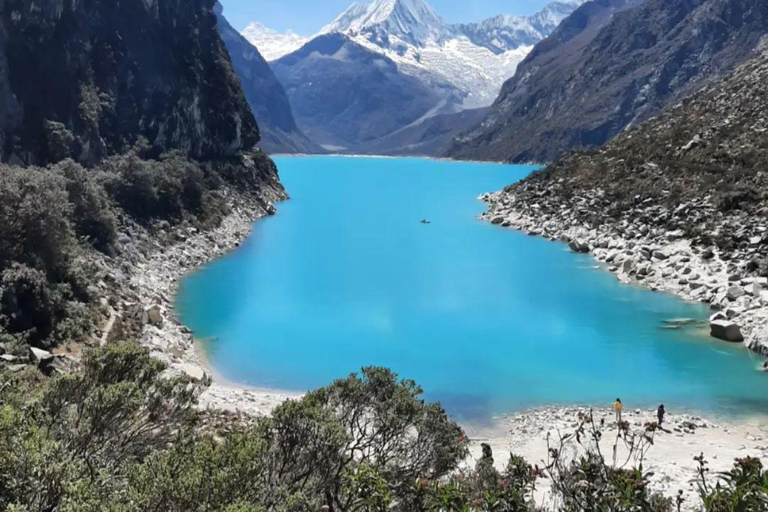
(152, 315)
(718, 316)
(735, 291)
(726, 330)
(579, 246)
(195, 371)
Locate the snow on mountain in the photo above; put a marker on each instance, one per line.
(411, 21)
(508, 31)
(475, 59)
(272, 44)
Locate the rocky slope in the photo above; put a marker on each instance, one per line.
(87, 79)
(265, 94)
(678, 203)
(426, 137)
(641, 58)
(344, 95)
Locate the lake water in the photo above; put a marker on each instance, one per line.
(485, 319)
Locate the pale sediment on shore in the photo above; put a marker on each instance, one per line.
(155, 280)
(656, 259)
(670, 458)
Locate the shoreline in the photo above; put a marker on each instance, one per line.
(665, 262)
(670, 458)
(156, 281)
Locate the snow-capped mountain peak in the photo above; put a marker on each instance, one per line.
(272, 44)
(411, 21)
(472, 59)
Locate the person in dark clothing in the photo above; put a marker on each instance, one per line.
(660, 412)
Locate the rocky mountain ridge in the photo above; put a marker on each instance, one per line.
(474, 59)
(641, 56)
(677, 204)
(265, 94)
(88, 79)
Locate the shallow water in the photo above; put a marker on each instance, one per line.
(486, 319)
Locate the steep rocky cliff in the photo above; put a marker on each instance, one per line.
(123, 129)
(612, 64)
(86, 79)
(265, 94)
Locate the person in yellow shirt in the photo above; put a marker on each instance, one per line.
(617, 407)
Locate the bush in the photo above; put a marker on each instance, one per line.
(120, 436)
(743, 488)
(52, 218)
(92, 214)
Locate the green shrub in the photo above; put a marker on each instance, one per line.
(742, 489)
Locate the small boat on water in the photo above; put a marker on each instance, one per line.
(425, 221)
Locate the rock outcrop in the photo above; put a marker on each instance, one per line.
(678, 203)
(610, 65)
(88, 79)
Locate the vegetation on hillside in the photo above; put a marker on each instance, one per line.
(119, 435)
(54, 219)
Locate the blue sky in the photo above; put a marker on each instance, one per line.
(307, 16)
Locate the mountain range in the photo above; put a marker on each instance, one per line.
(474, 58)
(393, 71)
(643, 56)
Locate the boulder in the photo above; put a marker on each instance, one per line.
(40, 357)
(718, 316)
(660, 255)
(726, 330)
(579, 246)
(194, 371)
(735, 291)
(153, 316)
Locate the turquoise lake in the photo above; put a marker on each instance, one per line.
(487, 320)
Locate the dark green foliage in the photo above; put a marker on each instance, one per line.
(164, 189)
(742, 489)
(52, 219)
(484, 489)
(92, 216)
(30, 303)
(67, 441)
(118, 436)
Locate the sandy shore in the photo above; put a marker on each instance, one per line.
(671, 459)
